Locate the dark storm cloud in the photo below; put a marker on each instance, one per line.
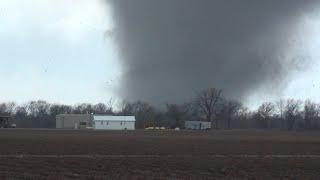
(169, 49)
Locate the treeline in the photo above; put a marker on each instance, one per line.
(207, 105)
(41, 114)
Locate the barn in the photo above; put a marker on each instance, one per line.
(197, 125)
(102, 122)
(73, 121)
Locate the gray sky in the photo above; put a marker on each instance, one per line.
(59, 50)
(56, 50)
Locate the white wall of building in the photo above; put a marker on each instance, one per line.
(114, 122)
(200, 125)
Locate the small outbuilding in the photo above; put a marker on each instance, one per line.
(197, 125)
(5, 120)
(73, 121)
(102, 122)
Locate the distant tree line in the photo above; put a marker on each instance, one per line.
(41, 114)
(207, 105)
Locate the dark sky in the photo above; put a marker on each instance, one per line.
(170, 49)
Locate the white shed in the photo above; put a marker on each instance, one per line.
(114, 122)
(197, 125)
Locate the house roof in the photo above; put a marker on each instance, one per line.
(114, 118)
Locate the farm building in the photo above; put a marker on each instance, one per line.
(197, 125)
(114, 122)
(5, 120)
(73, 121)
(100, 122)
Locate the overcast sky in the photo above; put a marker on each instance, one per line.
(56, 50)
(59, 51)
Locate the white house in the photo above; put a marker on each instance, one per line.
(103, 122)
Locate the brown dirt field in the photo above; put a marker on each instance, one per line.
(234, 154)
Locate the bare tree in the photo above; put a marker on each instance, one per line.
(231, 108)
(207, 101)
(243, 117)
(100, 108)
(38, 112)
(83, 108)
(144, 112)
(57, 109)
(8, 107)
(176, 113)
(21, 116)
(311, 114)
(110, 105)
(38, 108)
(265, 112)
(281, 107)
(191, 112)
(292, 112)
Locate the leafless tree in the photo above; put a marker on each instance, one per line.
(311, 114)
(231, 109)
(145, 113)
(265, 112)
(57, 109)
(83, 108)
(8, 107)
(280, 108)
(207, 101)
(176, 113)
(292, 112)
(38, 108)
(243, 116)
(38, 113)
(110, 105)
(100, 108)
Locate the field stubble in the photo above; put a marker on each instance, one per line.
(243, 154)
